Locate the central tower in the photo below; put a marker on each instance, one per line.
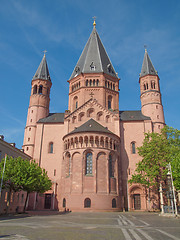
(94, 77)
(90, 177)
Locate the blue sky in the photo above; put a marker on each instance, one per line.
(63, 28)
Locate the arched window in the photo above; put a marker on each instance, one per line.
(153, 85)
(91, 140)
(87, 203)
(90, 82)
(113, 86)
(86, 140)
(50, 147)
(75, 102)
(105, 83)
(107, 118)
(40, 89)
(94, 82)
(133, 147)
(64, 202)
(102, 142)
(111, 170)
(35, 89)
(86, 83)
(97, 82)
(109, 102)
(144, 86)
(90, 112)
(114, 203)
(81, 141)
(89, 163)
(81, 116)
(99, 115)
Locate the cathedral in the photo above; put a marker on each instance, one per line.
(90, 150)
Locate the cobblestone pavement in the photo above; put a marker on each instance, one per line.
(80, 226)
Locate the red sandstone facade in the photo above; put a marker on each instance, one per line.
(90, 151)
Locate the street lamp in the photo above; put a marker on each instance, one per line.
(171, 190)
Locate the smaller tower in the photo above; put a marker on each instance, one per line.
(38, 105)
(151, 103)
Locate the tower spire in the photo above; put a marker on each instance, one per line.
(42, 71)
(94, 58)
(147, 66)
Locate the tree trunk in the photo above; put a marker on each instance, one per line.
(8, 200)
(27, 195)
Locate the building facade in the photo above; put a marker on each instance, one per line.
(89, 151)
(17, 199)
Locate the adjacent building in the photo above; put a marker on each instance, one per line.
(17, 199)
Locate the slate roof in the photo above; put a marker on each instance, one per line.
(53, 118)
(91, 126)
(132, 116)
(42, 71)
(94, 55)
(147, 66)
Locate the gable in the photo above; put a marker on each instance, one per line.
(92, 109)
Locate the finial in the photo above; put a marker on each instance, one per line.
(44, 52)
(145, 47)
(94, 23)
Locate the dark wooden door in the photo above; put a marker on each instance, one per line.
(137, 202)
(47, 202)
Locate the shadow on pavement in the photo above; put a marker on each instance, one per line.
(45, 213)
(30, 214)
(13, 216)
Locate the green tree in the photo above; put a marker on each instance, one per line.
(24, 175)
(157, 150)
(173, 137)
(155, 155)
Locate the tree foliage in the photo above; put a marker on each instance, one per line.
(157, 150)
(24, 175)
(173, 137)
(155, 155)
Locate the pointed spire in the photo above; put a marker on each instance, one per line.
(147, 66)
(42, 71)
(94, 58)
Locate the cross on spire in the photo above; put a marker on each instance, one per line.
(145, 47)
(91, 94)
(45, 51)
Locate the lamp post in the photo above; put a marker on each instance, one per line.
(161, 199)
(3, 174)
(171, 190)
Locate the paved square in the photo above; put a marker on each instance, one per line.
(90, 226)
